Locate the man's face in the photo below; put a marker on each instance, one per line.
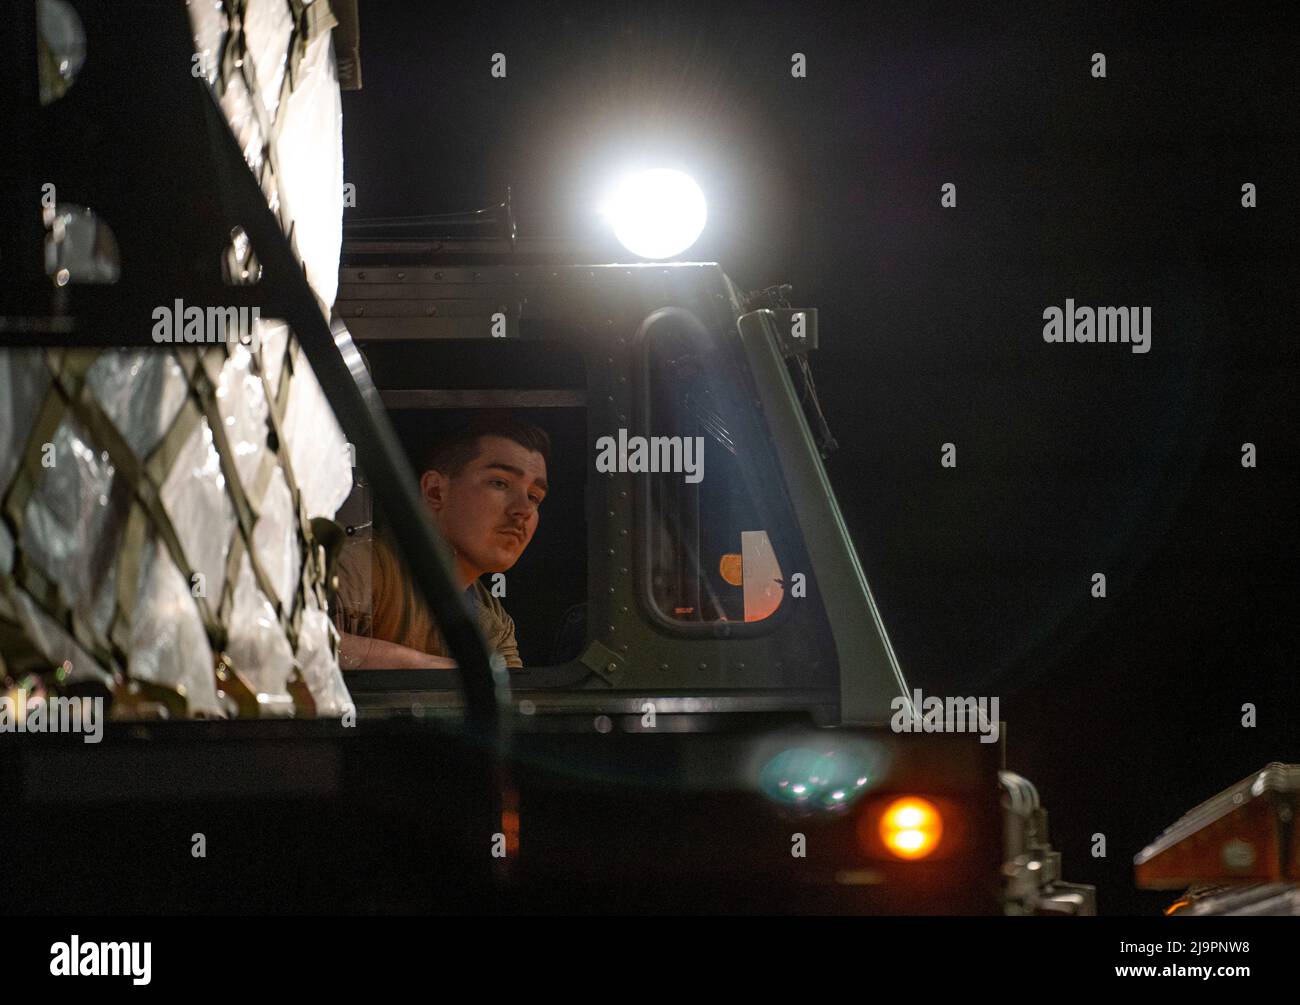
(488, 511)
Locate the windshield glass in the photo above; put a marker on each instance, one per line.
(712, 528)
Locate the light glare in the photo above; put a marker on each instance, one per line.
(911, 827)
(657, 214)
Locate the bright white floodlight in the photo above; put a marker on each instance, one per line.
(656, 214)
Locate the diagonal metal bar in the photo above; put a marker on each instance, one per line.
(360, 413)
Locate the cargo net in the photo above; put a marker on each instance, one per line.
(155, 538)
(156, 506)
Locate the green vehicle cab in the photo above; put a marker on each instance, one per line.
(705, 669)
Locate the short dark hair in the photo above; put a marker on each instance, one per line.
(450, 453)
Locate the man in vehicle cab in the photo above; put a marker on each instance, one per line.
(482, 486)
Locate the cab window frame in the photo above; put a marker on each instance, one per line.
(775, 512)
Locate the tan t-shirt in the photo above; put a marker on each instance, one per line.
(377, 599)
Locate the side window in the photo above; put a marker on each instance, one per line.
(431, 390)
(709, 544)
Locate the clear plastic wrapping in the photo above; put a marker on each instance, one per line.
(317, 448)
(24, 379)
(56, 645)
(267, 25)
(72, 523)
(194, 495)
(168, 644)
(316, 660)
(310, 154)
(242, 404)
(258, 647)
(141, 391)
(275, 537)
(274, 337)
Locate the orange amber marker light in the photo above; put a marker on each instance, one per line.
(730, 569)
(911, 827)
